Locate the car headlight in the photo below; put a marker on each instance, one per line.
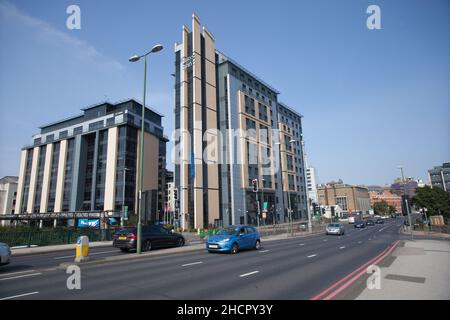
(224, 240)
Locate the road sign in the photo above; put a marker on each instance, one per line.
(265, 205)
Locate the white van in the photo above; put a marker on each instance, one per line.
(351, 219)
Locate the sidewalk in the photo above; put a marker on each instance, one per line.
(62, 247)
(419, 270)
(437, 235)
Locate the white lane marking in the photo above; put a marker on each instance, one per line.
(311, 256)
(325, 240)
(370, 239)
(359, 242)
(91, 254)
(11, 273)
(22, 276)
(301, 244)
(248, 274)
(383, 228)
(191, 264)
(262, 251)
(343, 247)
(20, 295)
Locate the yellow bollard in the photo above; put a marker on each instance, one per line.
(82, 249)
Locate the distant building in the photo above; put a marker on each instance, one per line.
(311, 184)
(8, 193)
(386, 195)
(440, 177)
(410, 184)
(351, 199)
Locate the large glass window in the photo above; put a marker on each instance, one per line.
(101, 169)
(53, 177)
(26, 180)
(39, 178)
(68, 174)
(126, 168)
(90, 151)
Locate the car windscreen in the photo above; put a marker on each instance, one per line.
(334, 225)
(227, 231)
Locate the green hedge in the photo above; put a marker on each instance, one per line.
(29, 236)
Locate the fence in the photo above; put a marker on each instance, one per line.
(297, 228)
(39, 237)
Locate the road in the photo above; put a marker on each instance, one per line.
(297, 268)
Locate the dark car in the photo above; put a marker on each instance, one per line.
(360, 224)
(152, 236)
(370, 223)
(380, 221)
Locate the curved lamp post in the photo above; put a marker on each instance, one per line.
(136, 58)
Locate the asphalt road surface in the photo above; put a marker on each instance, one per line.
(297, 268)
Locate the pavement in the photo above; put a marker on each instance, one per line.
(285, 268)
(419, 270)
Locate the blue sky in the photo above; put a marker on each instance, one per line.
(371, 99)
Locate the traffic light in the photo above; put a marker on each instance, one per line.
(255, 185)
(175, 194)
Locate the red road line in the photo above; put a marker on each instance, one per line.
(320, 295)
(340, 289)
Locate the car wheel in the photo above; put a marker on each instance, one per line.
(180, 242)
(148, 245)
(124, 249)
(258, 245)
(234, 248)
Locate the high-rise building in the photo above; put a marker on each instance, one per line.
(227, 121)
(311, 180)
(8, 193)
(90, 162)
(440, 177)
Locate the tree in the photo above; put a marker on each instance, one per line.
(381, 208)
(436, 200)
(392, 210)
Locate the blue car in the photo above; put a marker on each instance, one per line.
(234, 238)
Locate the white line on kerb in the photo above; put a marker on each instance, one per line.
(20, 295)
(22, 276)
(191, 264)
(11, 273)
(311, 256)
(248, 274)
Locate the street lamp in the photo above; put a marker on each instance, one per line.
(406, 202)
(305, 178)
(136, 58)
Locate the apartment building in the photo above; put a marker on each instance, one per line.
(90, 162)
(228, 123)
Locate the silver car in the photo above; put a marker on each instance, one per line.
(335, 228)
(5, 253)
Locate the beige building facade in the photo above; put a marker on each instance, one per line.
(351, 199)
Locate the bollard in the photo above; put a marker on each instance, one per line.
(82, 249)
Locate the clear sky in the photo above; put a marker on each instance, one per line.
(371, 99)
